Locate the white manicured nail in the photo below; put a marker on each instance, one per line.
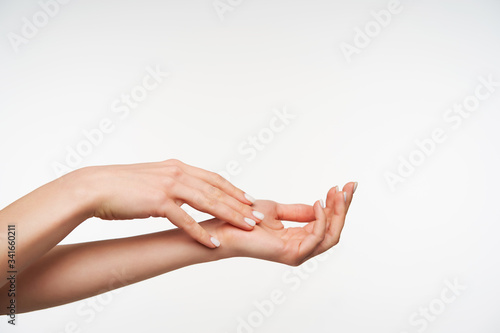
(355, 187)
(215, 241)
(337, 188)
(345, 196)
(322, 203)
(249, 198)
(258, 215)
(249, 221)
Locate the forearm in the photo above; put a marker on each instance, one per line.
(42, 219)
(69, 273)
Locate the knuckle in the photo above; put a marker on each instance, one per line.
(206, 201)
(235, 216)
(214, 192)
(209, 189)
(175, 171)
(158, 197)
(245, 209)
(198, 199)
(173, 161)
(211, 201)
(193, 228)
(316, 238)
(320, 237)
(217, 179)
(168, 181)
(188, 222)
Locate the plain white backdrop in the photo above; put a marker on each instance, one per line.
(362, 81)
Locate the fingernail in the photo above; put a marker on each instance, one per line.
(215, 241)
(249, 198)
(322, 203)
(336, 188)
(258, 215)
(249, 221)
(355, 187)
(345, 196)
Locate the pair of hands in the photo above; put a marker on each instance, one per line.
(251, 228)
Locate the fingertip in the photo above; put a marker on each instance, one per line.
(320, 223)
(340, 204)
(249, 198)
(319, 209)
(350, 186)
(330, 196)
(258, 215)
(250, 222)
(215, 242)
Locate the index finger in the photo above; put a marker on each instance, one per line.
(220, 182)
(184, 221)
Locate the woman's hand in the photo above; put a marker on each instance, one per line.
(159, 189)
(118, 262)
(270, 240)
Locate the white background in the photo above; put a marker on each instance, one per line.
(353, 121)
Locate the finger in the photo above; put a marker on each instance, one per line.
(212, 205)
(330, 196)
(337, 220)
(181, 219)
(311, 241)
(213, 193)
(295, 212)
(220, 182)
(320, 226)
(349, 189)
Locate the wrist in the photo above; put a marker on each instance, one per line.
(79, 187)
(216, 228)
